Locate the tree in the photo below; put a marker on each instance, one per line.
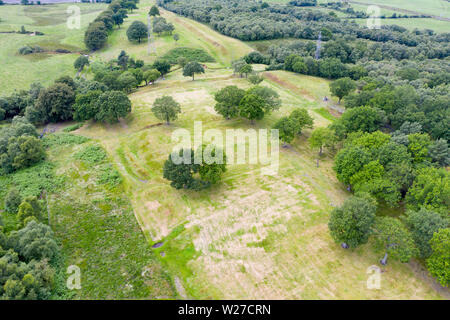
(166, 109)
(228, 100)
(118, 19)
(431, 190)
(321, 137)
(95, 36)
(301, 119)
(439, 262)
(394, 239)
(154, 11)
(423, 224)
(29, 209)
(365, 119)
(55, 103)
(176, 37)
(180, 174)
(237, 65)
(342, 87)
(271, 99)
(350, 161)
(127, 81)
(251, 107)
(246, 69)
(214, 163)
(192, 68)
(137, 31)
(163, 66)
(440, 153)
(150, 76)
(418, 144)
(352, 223)
(22, 152)
(12, 201)
(122, 60)
(85, 107)
(287, 128)
(81, 62)
(111, 106)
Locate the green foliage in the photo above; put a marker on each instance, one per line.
(30, 209)
(431, 190)
(365, 119)
(137, 31)
(59, 139)
(193, 68)
(166, 109)
(439, 262)
(162, 65)
(251, 107)
(22, 152)
(255, 79)
(440, 153)
(96, 35)
(350, 161)
(150, 76)
(81, 62)
(228, 100)
(190, 54)
(418, 146)
(55, 103)
(73, 127)
(423, 224)
(393, 238)
(154, 11)
(91, 154)
(287, 128)
(352, 223)
(342, 87)
(12, 201)
(111, 106)
(321, 137)
(85, 107)
(302, 120)
(109, 176)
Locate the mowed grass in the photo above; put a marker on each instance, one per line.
(17, 72)
(252, 236)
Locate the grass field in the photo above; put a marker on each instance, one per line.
(17, 71)
(250, 237)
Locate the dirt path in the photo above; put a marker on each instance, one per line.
(400, 10)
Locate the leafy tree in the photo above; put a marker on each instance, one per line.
(35, 241)
(166, 109)
(180, 174)
(163, 66)
(12, 201)
(127, 81)
(423, 224)
(350, 161)
(418, 144)
(352, 223)
(96, 36)
(111, 106)
(29, 209)
(439, 262)
(192, 68)
(22, 152)
(150, 76)
(122, 60)
(55, 103)
(269, 96)
(137, 31)
(302, 120)
(182, 61)
(431, 190)
(228, 100)
(237, 65)
(287, 129)
(394, 239)
(320, 138)
(81, 62)
(252, 107)
(85, 107)
(154, 11)
(246, 69)
(214, 163)
(365, 119)
(440, 153)
(342, 87)
(176, 37)
(118, 19)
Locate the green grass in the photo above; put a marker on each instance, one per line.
(18, 72)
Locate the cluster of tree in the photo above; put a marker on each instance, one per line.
(252, 104)
(97, 32)
(303, 3)
(19, 146)
(28, 254)
(251, 21)
(195, 170)
(423, 233)
(161, 26)
(291, 126)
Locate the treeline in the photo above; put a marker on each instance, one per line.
(98, 30)
(260, 21)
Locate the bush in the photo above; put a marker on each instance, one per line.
(191, 54)
(93, 154)
(59, 139)
(12, 201)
